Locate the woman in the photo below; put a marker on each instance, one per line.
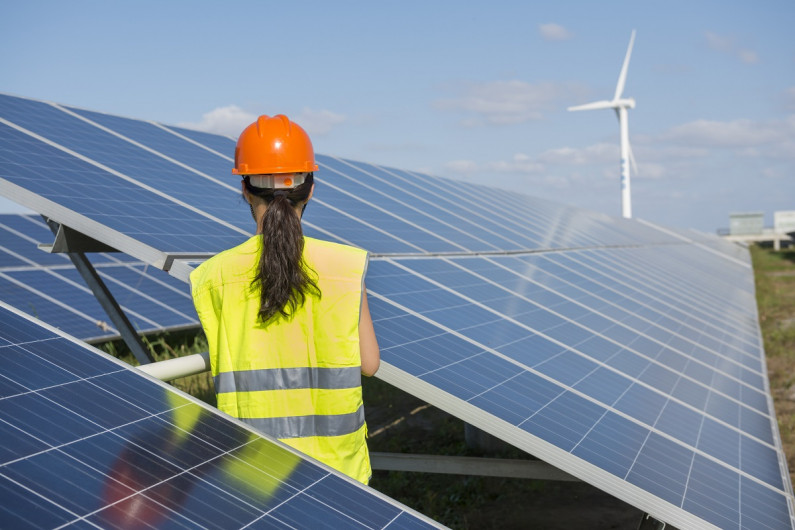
(286, 316)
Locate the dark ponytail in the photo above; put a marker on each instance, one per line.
(282, 277)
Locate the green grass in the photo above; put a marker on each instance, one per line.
(774, 275)
(775, 296)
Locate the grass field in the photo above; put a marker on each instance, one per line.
(399, 422)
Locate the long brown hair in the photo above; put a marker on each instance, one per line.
(282, 276)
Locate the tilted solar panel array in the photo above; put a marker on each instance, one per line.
(624, 353)
(48, 287)
(89, 441)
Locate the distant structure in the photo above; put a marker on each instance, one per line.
(746, 223)
(620, 105)
(749, 227)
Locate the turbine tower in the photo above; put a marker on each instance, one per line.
(620, 105)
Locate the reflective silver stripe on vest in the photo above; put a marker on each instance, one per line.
(288, 378)
(303, 426)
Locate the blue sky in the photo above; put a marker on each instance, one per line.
(472, 92)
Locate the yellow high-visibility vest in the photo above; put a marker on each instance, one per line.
(298, 378)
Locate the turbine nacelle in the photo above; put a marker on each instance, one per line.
(605, 104)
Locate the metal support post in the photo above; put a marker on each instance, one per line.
(106, 300)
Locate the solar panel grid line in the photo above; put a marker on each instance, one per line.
(108, 267)
(122, 135)
(460, 219)
(626, 279)
(530, 224)
(123, 285)
(633, 314)
(185, 138)
(511, 208)
(147, 413)
(83, 518)
(574, 391)
(540, 306)
(121, 175)
(36, 223)
(418, 197)
(386, 212)
(420, 213)
(39, 495)
(546, 451)
(594, 311)
(55, 301)
(731, 320)
(444, 200)
(659, 295)
(625, 298)
(82, 287)
(694, 242)
(369, 225)
(558, 261)
(85, 289)
(469, 418)
(134, 267)
(697, 290)
(597, 362)
(146, 148)
(196, 171)
(83, 224)
(694, 290)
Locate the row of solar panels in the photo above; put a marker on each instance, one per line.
(47, 286)
(623, 353)
(89, 442)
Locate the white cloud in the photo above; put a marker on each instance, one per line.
(593, 154)
(506, 102)
(718, 42)
(457, 167)
(728, 44)
(736, 133)
(519, 163)
(229, 120)
(789, 98)
(554, 32)
(748, 57)
(318, 122)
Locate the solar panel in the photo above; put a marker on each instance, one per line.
(48, 287)
(89, 441)
(624, 353)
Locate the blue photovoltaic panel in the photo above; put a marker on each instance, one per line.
(611, 396)
(339, 215)
(48, 287)
(89, 441)
(624, 353)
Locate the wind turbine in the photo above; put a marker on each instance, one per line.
(620, 105)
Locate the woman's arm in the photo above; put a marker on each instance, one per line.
(368, 344)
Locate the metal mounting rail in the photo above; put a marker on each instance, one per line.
(178, 367)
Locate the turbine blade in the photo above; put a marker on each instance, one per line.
(622, 79)
(593, 106)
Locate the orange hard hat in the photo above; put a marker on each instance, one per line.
(274, 145)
